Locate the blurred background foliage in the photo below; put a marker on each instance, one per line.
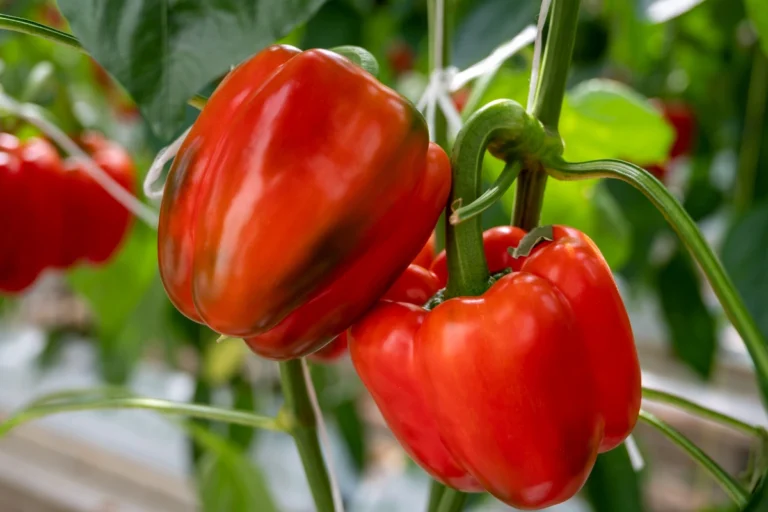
(702, 59)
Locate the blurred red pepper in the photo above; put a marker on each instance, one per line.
(400, 57)
(95, 222)
(31, 232)
(465, 373)
(285, 223)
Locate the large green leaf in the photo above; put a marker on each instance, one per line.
(164, 51)
(613, 484)
(744, 252)
(691, 325)
(606, 119)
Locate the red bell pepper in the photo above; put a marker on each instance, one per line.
(523, 385)
(414, 286)
(286, 222)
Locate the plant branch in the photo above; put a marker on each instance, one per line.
(547, 104)
(73, 404)
(299, 415)
(25, 26)
(699, 410)
(452, 501)
(689, 234)
(737, 493)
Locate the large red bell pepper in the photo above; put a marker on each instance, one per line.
(523, 385)
(302, 191)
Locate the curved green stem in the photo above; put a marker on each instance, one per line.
(490, 196)
(701, 411)
(452, 501)
(547, 104)
(163, 406)
(691, 237)
(503, 124)
(737, 493)
(436, 491)
(299, 415)
(32, 28)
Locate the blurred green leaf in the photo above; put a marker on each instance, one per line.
(759, 500)
(337, 23)
(227, 479)
(606, 119)
(119, 297)
(222, 360)
(352, 430)
(164, 52)
(613, 484)
(489, 24)
(744, 256)
(691, 325)
(758, 15)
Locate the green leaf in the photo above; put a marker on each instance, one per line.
(123, 300)
(613, 484)
(489, 24)
(691, 325)
(227, 480)
(758, 15)
(744, 251)
(759, 500)
(163, 51)
(606, 119)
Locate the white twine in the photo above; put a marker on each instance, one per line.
(30, 114)
(536, 64)
(635, 457)
(325, 441)
(164, 156)
(443, 81)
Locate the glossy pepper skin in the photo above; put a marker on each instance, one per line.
(414, 286)
(286, 223)
(496, 241)
(382, 351)
(525, 384)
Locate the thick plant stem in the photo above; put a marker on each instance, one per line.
(736, 492)
(547, 103)
(436, 491)
(693, 240)
(752, 134)
(699, 410)
(299, 417)
(452, 501)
